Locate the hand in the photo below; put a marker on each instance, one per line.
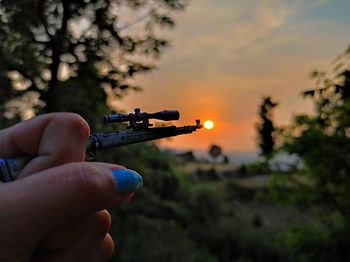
(55, 210)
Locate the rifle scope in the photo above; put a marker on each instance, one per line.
(165, 115)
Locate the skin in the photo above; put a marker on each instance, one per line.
(55, 210)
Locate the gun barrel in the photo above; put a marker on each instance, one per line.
(98, 141)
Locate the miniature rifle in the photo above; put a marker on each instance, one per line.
(140, 131)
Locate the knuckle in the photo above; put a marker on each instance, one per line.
(70, 123)
(77, 125)
(70, 143)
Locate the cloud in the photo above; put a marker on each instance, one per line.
(229, 31)
(319, 2)
(273, 13)
(254, 30)
(227, 54)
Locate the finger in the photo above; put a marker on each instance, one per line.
(65, 235)
(26, 137)
(53, 139)
(105, 251)
(86, 246)
(61, 194)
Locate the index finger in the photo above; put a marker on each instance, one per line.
(53, 139)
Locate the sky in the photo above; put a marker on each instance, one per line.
(226, 55)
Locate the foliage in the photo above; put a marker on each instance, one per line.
(170, 219)
(255, 168)
(265, 128)
(317, 242)
(60, 55)
(322, 141)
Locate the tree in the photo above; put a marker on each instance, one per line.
(67, 55)
(265, 127)
(322, 141)
(215, 151)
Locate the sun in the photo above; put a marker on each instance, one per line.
(208, 124)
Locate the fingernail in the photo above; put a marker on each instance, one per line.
(127, 181)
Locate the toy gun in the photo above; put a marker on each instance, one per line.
(140, 131)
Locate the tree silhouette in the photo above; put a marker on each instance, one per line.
(266, 127)
(215, 151)
(66, 55)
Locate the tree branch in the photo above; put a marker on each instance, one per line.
(10, 67)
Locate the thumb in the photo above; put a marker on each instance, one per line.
(52, 197)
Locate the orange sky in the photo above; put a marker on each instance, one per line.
(226, 55)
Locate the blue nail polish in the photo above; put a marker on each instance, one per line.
(127, 181)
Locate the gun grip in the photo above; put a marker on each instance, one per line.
(10, 168)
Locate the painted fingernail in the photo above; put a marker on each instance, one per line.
(127, 181)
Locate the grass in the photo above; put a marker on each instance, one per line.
(241, 201)
(219, 167)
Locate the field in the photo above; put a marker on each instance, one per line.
(242, 195)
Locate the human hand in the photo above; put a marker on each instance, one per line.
(55, 211)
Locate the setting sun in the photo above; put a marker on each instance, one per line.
(208, 124)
